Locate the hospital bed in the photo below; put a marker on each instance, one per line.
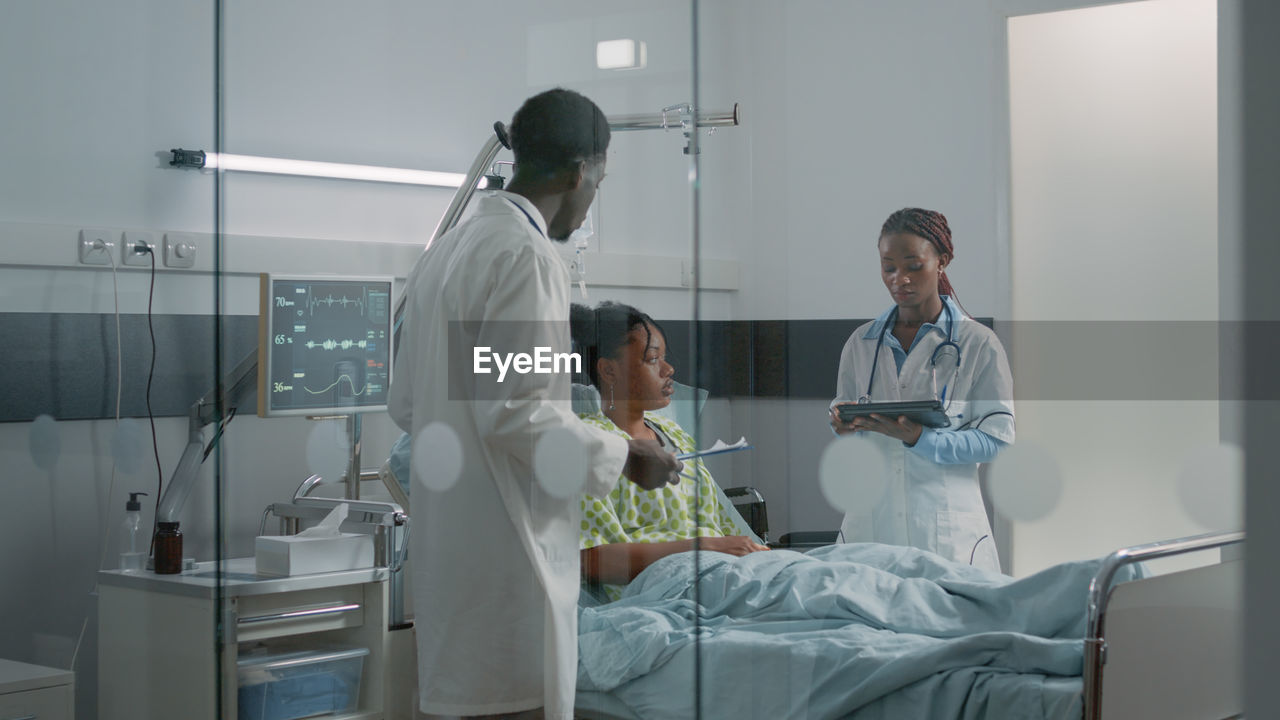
(1166, 646)
(1163, 646)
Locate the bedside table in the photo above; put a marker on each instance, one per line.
(33, 692)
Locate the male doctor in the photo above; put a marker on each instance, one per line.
(494, 554)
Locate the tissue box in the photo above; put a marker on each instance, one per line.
(285, 555)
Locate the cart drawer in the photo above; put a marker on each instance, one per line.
(265, 616)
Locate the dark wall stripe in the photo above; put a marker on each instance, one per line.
(761, 358)
(63, 364)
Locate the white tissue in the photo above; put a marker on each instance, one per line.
(323, 548)
(328, 527)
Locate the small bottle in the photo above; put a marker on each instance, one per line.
(133, 550)
(168, 549)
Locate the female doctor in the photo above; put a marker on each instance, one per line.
(925, 347)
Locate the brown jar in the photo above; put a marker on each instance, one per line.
(168, 549)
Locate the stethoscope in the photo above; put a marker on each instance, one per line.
(947, 346)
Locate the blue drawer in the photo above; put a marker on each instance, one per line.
(292, 685)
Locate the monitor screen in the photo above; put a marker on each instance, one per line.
(324, 345)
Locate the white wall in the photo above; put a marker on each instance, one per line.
(847, 122)
(1115, 256)
(93, 91)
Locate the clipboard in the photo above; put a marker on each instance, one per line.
(717, 449)
(928, 413)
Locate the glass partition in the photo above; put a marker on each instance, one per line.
(469, 495)
(313, 365)
(108, 269)
(1002, 156)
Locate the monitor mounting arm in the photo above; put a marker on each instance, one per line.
(239, 384)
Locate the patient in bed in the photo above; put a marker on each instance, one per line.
(624, 356)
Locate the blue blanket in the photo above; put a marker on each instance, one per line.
(861, 631)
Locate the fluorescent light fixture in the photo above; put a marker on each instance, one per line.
(624, 54)
(311, 168)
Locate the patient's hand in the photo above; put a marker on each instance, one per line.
(650, 466)
(732, 544)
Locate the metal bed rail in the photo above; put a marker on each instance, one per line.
(1095, 642)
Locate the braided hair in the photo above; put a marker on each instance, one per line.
(931, 226)
(602, 331)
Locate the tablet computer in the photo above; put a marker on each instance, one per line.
(928, 413)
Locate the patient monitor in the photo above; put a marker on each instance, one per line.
(324, 345)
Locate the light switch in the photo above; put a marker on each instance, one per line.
(179, 250)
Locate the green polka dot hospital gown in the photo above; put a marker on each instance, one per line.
(630, 514)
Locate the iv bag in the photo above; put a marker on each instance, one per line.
(580, 238)
(583, 234)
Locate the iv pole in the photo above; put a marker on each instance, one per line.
(665, 120)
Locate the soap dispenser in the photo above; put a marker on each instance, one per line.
(133, 543)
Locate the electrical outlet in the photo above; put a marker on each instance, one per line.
(179, 250)
(96, 247)
(131, 248)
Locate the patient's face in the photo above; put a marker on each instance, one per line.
(646, 372)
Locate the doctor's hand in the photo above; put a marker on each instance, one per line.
(839, 426)
(900, 428)
(650, 466)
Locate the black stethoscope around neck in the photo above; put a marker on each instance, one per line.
(946, 347)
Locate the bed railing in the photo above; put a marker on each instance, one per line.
(1095, 643)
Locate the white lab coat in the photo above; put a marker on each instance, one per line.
(928, 505)
(495, 557)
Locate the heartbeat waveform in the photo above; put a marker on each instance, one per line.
(330, 301)
(334, 344)
(350, 382)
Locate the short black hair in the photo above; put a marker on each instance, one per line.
(556, 129)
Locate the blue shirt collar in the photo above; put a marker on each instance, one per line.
(878, 325)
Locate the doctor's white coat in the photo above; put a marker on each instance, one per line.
(926, 504)
(494, 556)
